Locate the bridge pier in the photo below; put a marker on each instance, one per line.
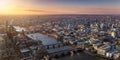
(71, 53)
(46, 57)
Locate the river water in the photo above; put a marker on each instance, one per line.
(77, 56)
(81, 56)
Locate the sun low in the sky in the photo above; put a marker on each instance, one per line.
(5, 6)
(10, 7)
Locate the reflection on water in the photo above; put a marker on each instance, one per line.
(77, 56)
(81, 56)
(46, 40)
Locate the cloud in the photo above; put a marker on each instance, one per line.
(37, 10)
(106, 10)
(41, 11)
(98, 10)
(78, 11)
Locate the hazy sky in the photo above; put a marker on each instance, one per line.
(59, 6)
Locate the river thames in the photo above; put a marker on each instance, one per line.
(81, 56)
(78, 56)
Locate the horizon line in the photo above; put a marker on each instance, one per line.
(63, 14)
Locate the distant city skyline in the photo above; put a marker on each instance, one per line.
(13, 7)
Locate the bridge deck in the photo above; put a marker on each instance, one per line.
(61, 49)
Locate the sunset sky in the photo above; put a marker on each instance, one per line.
(12, 7)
